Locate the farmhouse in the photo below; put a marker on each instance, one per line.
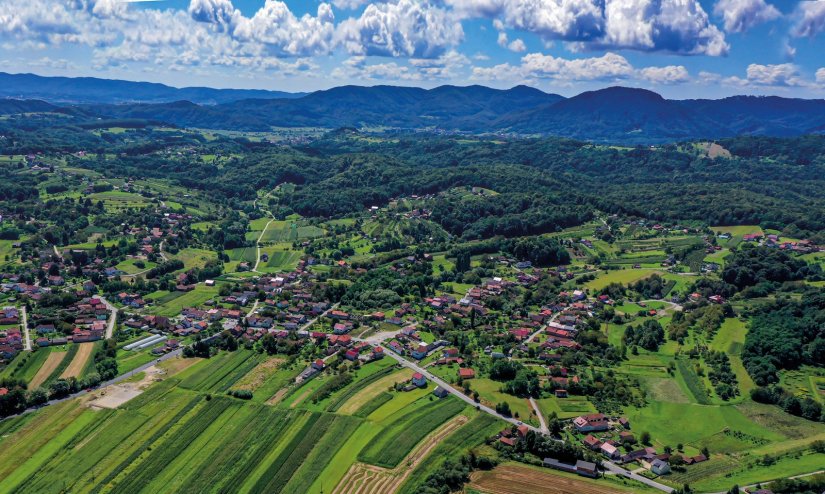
(591, 423)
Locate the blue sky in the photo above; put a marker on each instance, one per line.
(680, 48)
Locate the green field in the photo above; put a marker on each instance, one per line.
(174, 302)
(623, 276)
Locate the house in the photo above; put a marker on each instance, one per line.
(583, 468)
(466, 373)
(610, 451)
(440, 392)
(626, 437)
(351, 354)
(659, 467)
(319, 365)
(419, 380)
(591, 423)
(624, 423)
(592, 442)
(586, 468)
(509, 441)
(420, 352)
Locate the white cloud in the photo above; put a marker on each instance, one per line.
(672, 74)
(820, 76)
(741, 15)
(609, 67)
(677, 26)
(406, 28)
(810, 18)
(785, 74)
(277, 27)
(517, 45)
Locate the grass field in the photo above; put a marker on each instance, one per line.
(490, 395)
(173, 303)
(623, 276)
(194, 258)
(128, 266)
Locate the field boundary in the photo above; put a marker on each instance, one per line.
(362, 478)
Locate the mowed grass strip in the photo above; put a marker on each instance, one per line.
(357, 386)
(373, 404)
(401, 435)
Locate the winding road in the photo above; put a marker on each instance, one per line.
(612, 467)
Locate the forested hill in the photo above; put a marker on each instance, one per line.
(613, 115)
(93, 90)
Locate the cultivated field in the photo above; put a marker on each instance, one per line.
(516, 479)
(49, 366)
(78, 363)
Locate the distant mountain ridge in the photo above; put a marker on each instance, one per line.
(614, 114)
(91, 90)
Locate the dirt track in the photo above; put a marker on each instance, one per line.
(51, 363)
(79, 361)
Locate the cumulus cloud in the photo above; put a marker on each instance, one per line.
(405, 28)
(677, 26)
(517, 45)
(810, 18)
(741, 15)
(277, 27)
(820, 76)
(672, 74)
(609, 67)
(786, 74)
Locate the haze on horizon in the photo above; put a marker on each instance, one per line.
(680, 49)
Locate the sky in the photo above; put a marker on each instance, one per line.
(679, 48)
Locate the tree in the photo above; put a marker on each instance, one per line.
(644, 437)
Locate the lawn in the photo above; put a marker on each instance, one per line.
(128, 266)
(490, 395)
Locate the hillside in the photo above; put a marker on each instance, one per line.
(611, 115)
(91, 90)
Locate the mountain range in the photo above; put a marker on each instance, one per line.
(614, 114)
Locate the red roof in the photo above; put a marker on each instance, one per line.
(466, 372)
(417, 375)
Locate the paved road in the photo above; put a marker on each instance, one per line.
(460, 395)
(27, 342)
(609, 465)
(542, 328)
(110, 326)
